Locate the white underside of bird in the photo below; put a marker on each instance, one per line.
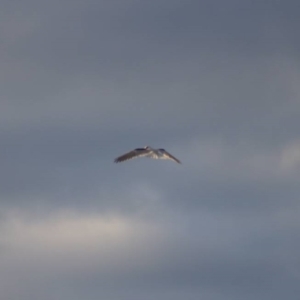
(147, 152)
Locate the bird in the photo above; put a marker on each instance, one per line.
(147, 151)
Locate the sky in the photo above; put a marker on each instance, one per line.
(216, 83)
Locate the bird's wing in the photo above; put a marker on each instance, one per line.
(138, 152)
(167, 155)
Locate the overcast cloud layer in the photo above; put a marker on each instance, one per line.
(216, 83)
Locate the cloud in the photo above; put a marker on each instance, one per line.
(78, 240)
(201, 252)
(214, 83)
(290, 158)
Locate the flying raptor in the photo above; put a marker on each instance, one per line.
(147, 152)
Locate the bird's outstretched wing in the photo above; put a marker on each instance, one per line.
(167, 155)
(138, 152)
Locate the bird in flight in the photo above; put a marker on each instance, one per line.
(147, 152)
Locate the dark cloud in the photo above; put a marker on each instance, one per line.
(214, 83)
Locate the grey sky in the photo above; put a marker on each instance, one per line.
(214, 82)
